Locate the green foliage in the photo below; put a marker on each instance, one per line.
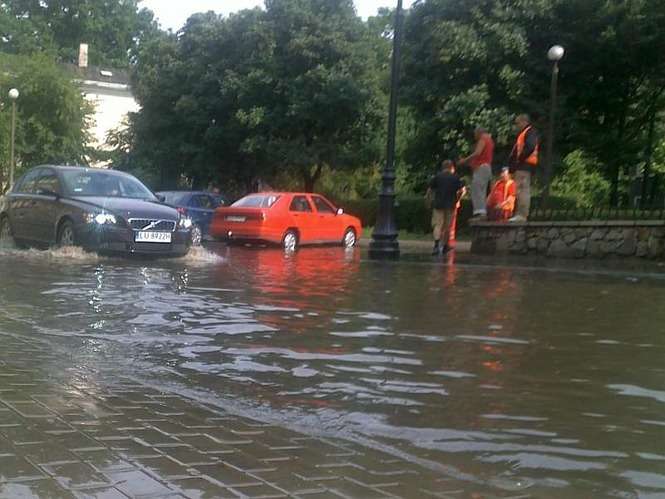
(581, 183)
(51, 113)
(483, 61)
(412, 213)
(461, 69)
(113, 29)
(288, 90)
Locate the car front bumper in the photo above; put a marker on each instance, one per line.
(110, 239)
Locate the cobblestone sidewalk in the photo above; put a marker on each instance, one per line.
(87, 433)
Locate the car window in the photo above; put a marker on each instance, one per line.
(218, 201)
(204, 202)
(27, 184)
(47, 183)
(174, 198)
(300, 204)
(323, 206)
(256, 201)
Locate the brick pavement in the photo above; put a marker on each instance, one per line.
(84, 431)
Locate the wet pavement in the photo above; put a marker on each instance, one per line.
(244, 372)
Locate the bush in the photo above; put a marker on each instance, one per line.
(412, 213)
(580, 182)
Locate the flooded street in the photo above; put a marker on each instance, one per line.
(505, 380)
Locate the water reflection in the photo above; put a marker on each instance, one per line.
(518, 377)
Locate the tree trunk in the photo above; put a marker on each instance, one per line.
(649, 158)
(651, 138)
(311, 178)
(616, 162)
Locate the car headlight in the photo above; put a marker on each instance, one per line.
(100, 218)
(185, 223)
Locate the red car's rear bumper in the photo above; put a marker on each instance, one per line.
(251, 231)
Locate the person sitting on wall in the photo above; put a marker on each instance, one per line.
(501, 201)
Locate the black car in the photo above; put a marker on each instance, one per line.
(101, 210)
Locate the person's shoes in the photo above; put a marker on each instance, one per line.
(517, 219)
(436, 249)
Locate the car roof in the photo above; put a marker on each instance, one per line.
(188, 192)
(68, 168)
(284, 193)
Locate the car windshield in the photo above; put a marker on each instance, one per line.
(105, 184)
(256, 201)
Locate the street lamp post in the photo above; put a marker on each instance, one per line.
(13, 95)
(384, 242)
(554, 54)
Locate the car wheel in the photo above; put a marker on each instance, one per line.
(350, 239)
(290, 241)
(6, 236)
(66, 235)
(197, 235)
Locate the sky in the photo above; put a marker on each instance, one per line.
(173, 13)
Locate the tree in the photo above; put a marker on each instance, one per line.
(113, 29)
(324, 107)
(290, 89)
(191, 89)
(581, 182)
(480, 62)
(51, 113)
(462, 68)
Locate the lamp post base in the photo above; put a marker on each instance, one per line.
(384, 247)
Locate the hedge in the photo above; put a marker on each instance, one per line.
(413, 214)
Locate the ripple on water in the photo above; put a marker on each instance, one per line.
(637, 391)
(70, 254)
(294, 337)
(198, 255)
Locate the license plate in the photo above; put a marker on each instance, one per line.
(153, 237)
(236, 219)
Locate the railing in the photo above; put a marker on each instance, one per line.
(574, 214)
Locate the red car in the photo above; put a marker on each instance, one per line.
(285, 218)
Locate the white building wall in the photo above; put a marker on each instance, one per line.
(112, 103)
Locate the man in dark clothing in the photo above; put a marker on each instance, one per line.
(523, 162)
(447, 188)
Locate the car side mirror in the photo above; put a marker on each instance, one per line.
(340, 211)
(161, 198)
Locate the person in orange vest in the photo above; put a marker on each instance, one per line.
(501, 201)
(524, 161)
(480, 161)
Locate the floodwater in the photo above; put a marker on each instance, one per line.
(508, 376)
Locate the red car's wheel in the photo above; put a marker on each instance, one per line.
(350, 238)
(290, 241)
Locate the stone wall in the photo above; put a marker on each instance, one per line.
(629, 239)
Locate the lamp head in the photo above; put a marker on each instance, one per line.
(556, 53)
(13, 94)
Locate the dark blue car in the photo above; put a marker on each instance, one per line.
(199, 206)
